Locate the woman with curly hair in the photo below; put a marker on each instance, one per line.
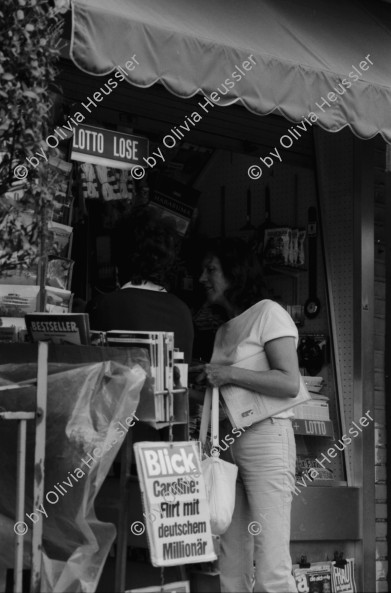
(146, 255)
(256, 350)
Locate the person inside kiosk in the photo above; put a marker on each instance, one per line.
(256, 350)
(146, 255)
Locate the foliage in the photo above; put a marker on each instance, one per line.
(30, 32)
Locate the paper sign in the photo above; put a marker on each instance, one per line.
(176, 508)
(343, 578)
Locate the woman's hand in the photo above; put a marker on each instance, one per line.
(218, 374)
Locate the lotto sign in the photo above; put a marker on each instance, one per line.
(108, 147)
(176, 509)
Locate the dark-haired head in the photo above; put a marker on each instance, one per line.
(240, 269)
(146, 247)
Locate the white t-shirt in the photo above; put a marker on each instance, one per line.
(241, 340)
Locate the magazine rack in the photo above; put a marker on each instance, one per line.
(125, 483)
(20, 353)
(39, 415)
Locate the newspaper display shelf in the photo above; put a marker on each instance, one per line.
(129, 487)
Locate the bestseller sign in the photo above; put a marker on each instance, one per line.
(108, 148)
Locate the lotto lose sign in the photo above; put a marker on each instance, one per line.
(108, 148)
(176, 508)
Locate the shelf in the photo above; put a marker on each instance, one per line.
(163, 424)
(318, 483)
(318, 428)
(285, 270)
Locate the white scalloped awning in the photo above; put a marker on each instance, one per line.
(302, 49)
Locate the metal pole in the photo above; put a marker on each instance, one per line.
(363, 360)
(123, 514)
(387, 345)
(20, 489)
(331, 318)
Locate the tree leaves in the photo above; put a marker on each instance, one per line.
(29, 33)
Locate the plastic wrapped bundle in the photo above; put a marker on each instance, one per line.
(89, 410)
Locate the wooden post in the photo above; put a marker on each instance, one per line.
(39, 464)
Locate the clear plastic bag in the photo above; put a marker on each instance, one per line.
(86, 405)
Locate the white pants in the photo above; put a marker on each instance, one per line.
(260, 530)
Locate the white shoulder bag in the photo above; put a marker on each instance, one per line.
(219, 475)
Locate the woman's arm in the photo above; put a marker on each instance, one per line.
(282, 380)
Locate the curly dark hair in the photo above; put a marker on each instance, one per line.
(146, 247)
(241, 268)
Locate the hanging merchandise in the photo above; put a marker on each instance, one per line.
(313, 578)
(222, 211)
(325, 577)
(277, 243)
(258, 240)
(284, 246)
(342, 575)
(105, 183)
(311, 353)
(312, 305)
(248, 226)
(174, 200)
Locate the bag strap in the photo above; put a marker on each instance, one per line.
(215, 418)
(205, 417)
(211, 401)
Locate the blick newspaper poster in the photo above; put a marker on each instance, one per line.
(176, 508)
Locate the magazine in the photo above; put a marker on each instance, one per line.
(314, 579)
(12, 329)
(245, 407)
(21, 275)
(60, 174)
(65, 328)
(58, 300)
(60, 236)
(160, 348)
(59, 272)
(17, 300)
(342, 578)
(174, 200)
